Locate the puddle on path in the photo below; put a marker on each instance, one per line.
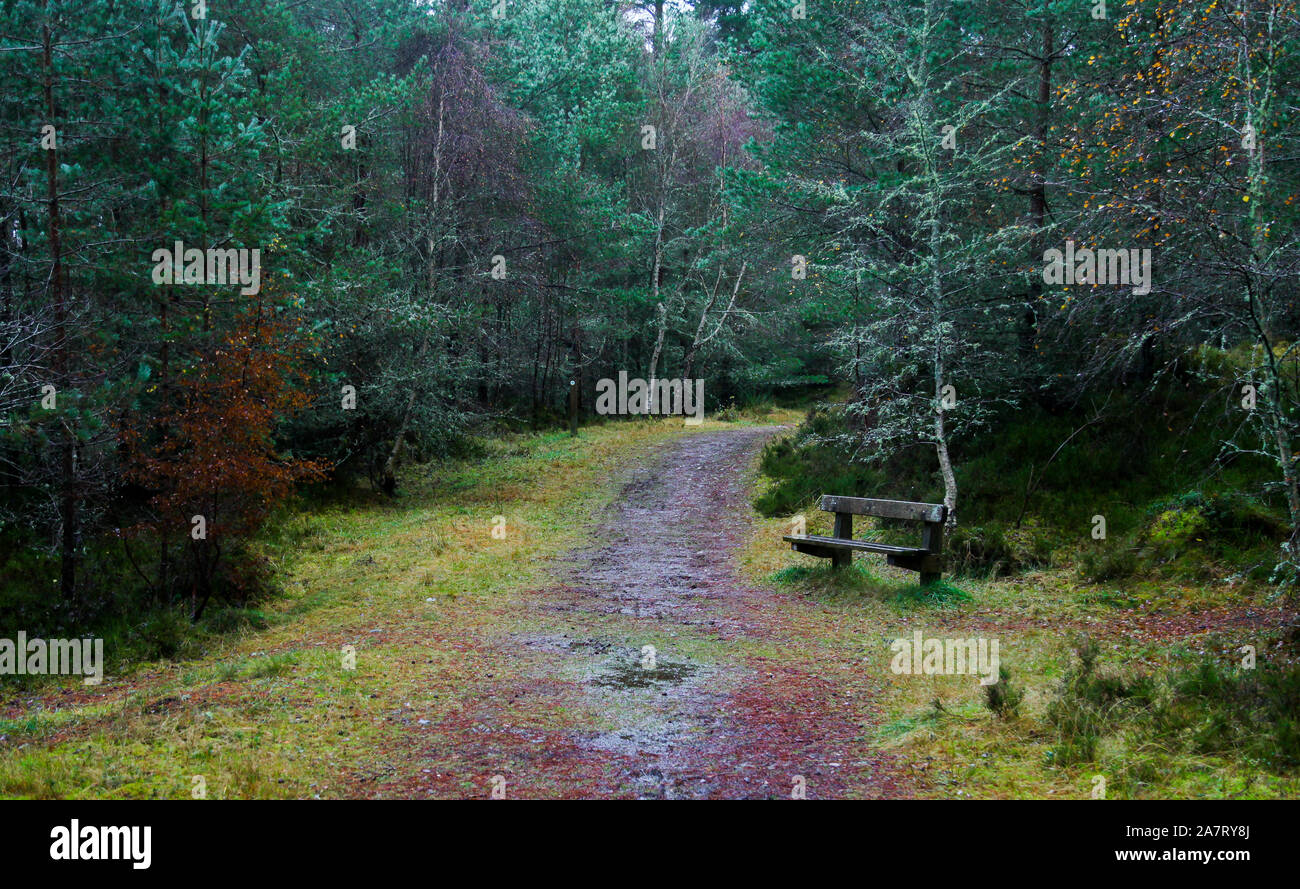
(633, 675)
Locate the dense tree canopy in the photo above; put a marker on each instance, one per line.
(460, 207)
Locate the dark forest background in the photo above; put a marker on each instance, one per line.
(463, 206)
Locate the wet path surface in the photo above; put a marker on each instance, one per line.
(696, 685)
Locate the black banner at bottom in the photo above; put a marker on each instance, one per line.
(140, 842)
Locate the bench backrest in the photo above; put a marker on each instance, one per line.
(886, 509)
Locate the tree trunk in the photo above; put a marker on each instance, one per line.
(67, 458)
(933, 207)
(660, 313)
(1038, 194)
(388, 477)
(662, 320)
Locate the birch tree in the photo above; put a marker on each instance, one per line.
(919, 240)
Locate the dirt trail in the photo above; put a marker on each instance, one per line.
(729, 704)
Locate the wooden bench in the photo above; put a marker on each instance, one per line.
(839, 548)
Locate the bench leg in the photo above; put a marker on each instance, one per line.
(932, 539)
(844, 531)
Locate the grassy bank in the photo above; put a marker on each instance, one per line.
(1129, 680)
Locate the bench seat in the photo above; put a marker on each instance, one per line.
(862, 545)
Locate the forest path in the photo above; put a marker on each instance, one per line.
(417, 653)
(736, 700)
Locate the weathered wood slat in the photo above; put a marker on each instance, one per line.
(925, 563)
(813, 549)
(886, 509)
(861, 545)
